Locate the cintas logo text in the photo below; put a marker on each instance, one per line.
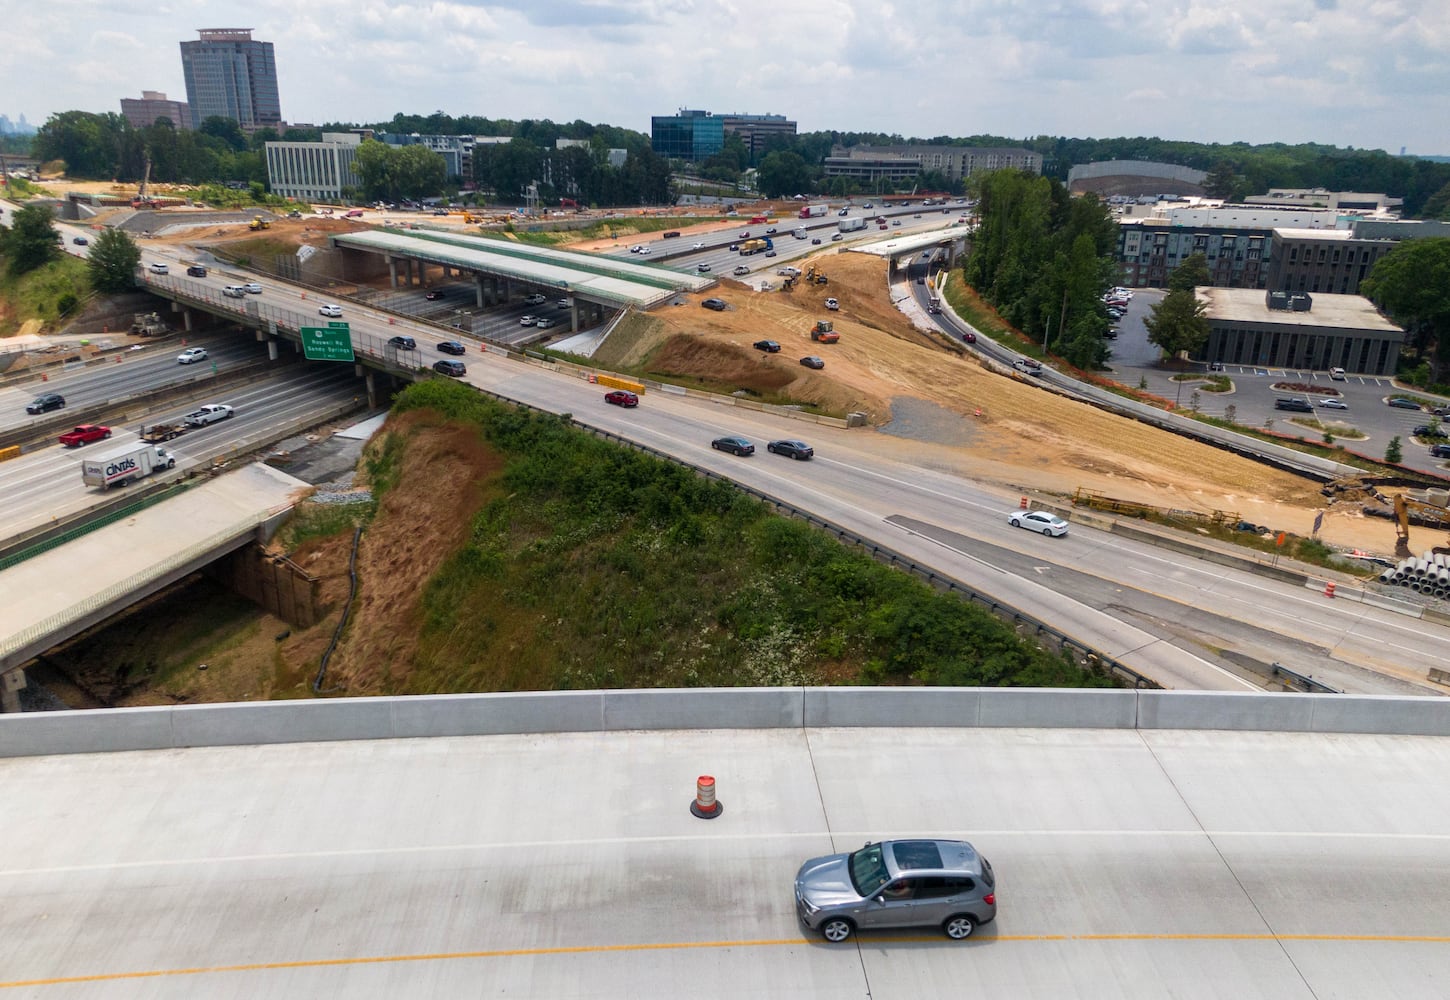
(116, 468)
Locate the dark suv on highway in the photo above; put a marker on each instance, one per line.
(46, 402)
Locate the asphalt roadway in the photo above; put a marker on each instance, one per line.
(1129, 864)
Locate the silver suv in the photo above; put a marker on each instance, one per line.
(897, 883)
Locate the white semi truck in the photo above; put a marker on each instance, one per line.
(125, 464)
(851, 225)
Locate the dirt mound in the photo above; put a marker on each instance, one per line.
(424, 517)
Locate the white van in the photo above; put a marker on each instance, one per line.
(234, 291)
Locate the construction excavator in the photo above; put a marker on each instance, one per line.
(142, 200)
(1423, 512)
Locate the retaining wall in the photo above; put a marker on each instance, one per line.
(720, 708)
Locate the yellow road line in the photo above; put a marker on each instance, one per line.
(320, 963)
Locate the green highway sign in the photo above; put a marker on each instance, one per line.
(332, 342)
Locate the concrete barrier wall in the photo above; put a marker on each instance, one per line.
(110, 730)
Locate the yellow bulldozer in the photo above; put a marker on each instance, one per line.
(1425, 512)
(259, 223)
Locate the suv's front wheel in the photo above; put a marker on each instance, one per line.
(836, 930)
(959, 926)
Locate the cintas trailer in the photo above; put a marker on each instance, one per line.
(124, 464)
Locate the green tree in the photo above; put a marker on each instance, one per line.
(780, 174)
(1177, 323)
(113, 260)
(1393, 451)
(1189, 275)
(1222, 181)
(30, 240)
(1412, 284)
(227, 130)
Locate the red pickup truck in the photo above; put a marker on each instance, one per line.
(84, 434)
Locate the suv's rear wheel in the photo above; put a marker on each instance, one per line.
(959, 926)
(837, 929)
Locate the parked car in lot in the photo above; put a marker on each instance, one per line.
(1337, 374)
(1431, 431)
(811, 361)
(716, 304)
(450, 347)
(798, 450)
(191, 355)
(1294, 405)
(734, 445)
(403, 343)
(1400, 403)
(1038, 520)
(1440, 451)
(895, 884)
(446, 366)
(45, 402)
(329, 310)
(621, 397)
(768, 346)
(1334, 404)
(196, 271)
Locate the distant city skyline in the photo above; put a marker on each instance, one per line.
(1292, 71)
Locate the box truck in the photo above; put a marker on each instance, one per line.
(815, 211)
(125, 464)
(851, 225)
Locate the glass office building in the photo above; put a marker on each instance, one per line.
(228, 75)
(689, 135)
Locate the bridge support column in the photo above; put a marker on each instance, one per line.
(186, 320)
(11, 684)
(393, 271)
(372, 387)
(479, 298)
(271, 350)
(508, 290)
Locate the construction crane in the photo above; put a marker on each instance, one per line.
(141, 200)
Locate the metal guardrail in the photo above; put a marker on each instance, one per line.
(1295, 681)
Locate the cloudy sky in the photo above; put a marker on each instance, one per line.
(1364, 73)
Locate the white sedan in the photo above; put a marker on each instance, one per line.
(329, 310)
(528, 320)
(191, 355)
(1038, 520)
(698, 246)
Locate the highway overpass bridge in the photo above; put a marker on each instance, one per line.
(1145, 844)
(66, 589)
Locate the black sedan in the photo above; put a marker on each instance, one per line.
(768, 346)
(450, 347)
(734, 445)
(811, 361)
(798, 450)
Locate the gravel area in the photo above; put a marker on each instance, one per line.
(921, 420)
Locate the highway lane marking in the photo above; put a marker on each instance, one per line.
(439, 849)
(603, 949)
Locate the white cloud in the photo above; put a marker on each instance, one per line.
(1375, 73)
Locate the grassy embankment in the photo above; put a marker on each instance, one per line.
(593, 566)
(49, 293)
(620, 228)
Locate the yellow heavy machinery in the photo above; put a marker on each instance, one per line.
(259, 223)
(1424, 512)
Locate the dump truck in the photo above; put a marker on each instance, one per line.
(824, 333)
(851, 225)
(208, 414)
(125, 464)
(259, 223)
